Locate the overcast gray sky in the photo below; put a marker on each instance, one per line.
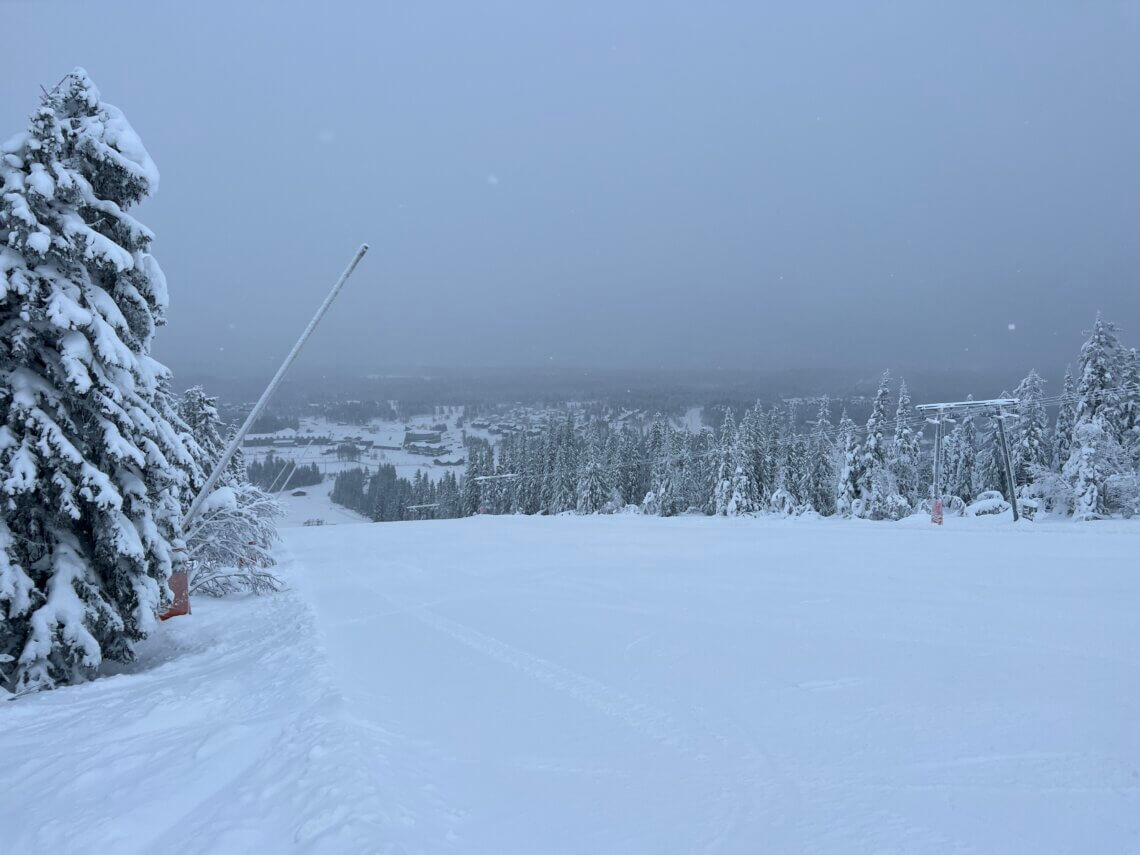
(655, 184)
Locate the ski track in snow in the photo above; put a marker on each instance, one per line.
(642, 718)
(228, 738)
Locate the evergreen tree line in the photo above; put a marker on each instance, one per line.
(271, 423)
(385, 497)
(360, 412)
(1084, 462)
(280, 473)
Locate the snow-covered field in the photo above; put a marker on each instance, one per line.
(314, 504)
(390, 435)
(617, 684)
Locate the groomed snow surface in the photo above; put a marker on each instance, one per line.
(617, 685)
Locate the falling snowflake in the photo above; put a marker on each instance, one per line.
(1011, 327)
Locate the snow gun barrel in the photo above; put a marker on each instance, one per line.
(235, 442)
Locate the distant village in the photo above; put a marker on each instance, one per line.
(331, 436)
(428, 443)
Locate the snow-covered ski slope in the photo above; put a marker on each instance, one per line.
(618, 685)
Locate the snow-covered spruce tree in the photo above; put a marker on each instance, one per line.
(421, 495)
(847, 490)
(1095, 457)
(92, 472)
(229, 543)
(667, 483)
(631, 467)
(988, 469)
(595, 491)
(700, 472)
(199, 412)
(771, 436)
(726, 464)
(904, 452)
(528, 490)
(491, 495)
(1131, 393)
(564, 496)
(783, 424)
(688, 471)
(1066, 420)
(751, 446)
(949, 454)
(513, 460)
(450, 498)
(823, 462)
(471, 486)
(1099, 390)
(798, 473)
(875, 449)
(989, 465)
(697, 463)
(885, 502)
(743, 496)
(961, 458)
(1096, 453)
(509, 463)
(1030, 433)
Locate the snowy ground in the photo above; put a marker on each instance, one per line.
(314, 504)
(618, 684)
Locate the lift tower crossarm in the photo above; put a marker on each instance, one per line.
(968, 405)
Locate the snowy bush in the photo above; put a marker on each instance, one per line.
(1051, 491)
(228, 546)
(881, 499)
(783, 502)
(650, 505)
(987, 502)
(1028, 506)
(896, 507)
(1122, 494)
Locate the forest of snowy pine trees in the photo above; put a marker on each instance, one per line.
(1083, 461)
(99, 460)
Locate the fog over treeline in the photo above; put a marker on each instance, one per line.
(816, 192)
(652, 391)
